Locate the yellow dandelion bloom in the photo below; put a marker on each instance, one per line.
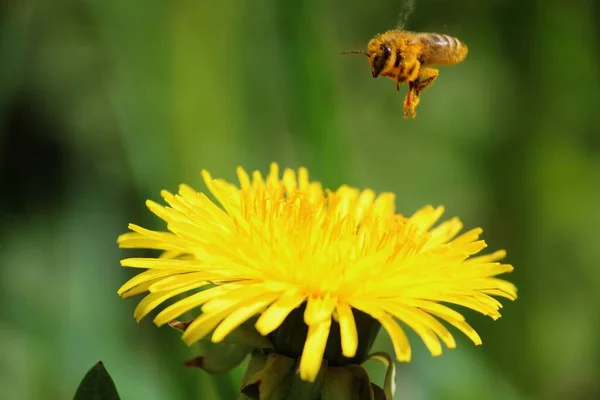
(277, 243)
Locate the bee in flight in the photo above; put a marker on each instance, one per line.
(407, 57)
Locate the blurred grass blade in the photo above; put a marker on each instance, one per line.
(97, 385)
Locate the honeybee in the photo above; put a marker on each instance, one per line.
(407, 57)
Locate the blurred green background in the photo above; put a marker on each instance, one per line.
(105, 103)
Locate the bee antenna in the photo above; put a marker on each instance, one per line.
(354, 52)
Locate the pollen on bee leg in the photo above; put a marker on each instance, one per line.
(426, 78)
(411, 101)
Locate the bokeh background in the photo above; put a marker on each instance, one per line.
(105, 103)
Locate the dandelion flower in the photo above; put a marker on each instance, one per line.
(281, 245)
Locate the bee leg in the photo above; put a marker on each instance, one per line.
(411, 101)
(407, 101)
(426, 78)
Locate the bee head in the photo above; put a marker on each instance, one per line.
(384, 53)
(380, 55)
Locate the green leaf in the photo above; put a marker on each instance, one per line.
(97, 385)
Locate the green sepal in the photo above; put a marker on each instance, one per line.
(97, 385)
(247, 334)
(272, 381)
(303, 390)
(338, 384)
(220, 358)
(378, 393)
(243, 334)
(361, 375)
(350, 382)
(256, 363)
(389, 385)
(223, 356)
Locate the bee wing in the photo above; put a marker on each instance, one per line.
(436, 40)
(439, 49)
(421, 38)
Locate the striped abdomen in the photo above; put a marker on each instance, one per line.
(441, 49)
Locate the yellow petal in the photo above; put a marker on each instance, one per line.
(436, 326)
(384, 204)
(141, 278)
(425, 217)
(257, 181)
(303, 182)
(444, 232)
(139, 289)
(319, 309)
(511, 295)
(153, 300)
(365, 200)
(469, 302)
(224, 194)
(314, 348)
(399, 340)
(242, 313)
(239, 295)
(243, 178)
(397, 335)
(289, 181)
(190, 302)
(468, 237)
(422, 329)
(435, 308)
(154, 263)
(472, 248)
(146, 239)
(273, 177)
(204, 324)
(461, 325)
(495, 256)
(164, 213)
(348, 332)
(273, 316)
(175, 281)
